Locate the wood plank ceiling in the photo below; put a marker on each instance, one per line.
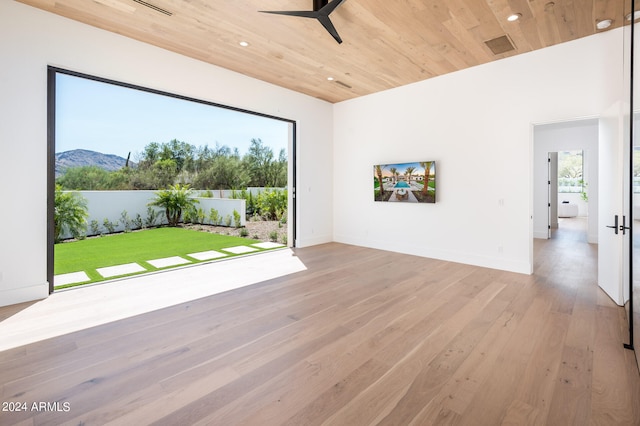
(387, 43)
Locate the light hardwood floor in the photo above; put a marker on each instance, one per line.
(361, 337)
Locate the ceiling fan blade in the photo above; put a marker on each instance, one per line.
(328, 25)
(319, 4)
(300, 13)
(330, 7)
(321, 15)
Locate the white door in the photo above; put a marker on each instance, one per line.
(549, 200)
(611, 204)
(553, 191)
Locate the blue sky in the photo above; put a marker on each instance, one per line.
(402, 168)
(117, 120)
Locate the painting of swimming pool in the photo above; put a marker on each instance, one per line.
(405, 182)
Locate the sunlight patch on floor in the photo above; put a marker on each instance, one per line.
(88, 306)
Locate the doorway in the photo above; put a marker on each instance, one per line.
(556, 202)
(569, 199)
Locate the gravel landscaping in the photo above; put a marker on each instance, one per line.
(257, 229)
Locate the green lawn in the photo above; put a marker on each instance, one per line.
(87, 255)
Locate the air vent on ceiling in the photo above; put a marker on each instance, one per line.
(343, 84)
(500, 45)
(154, 7)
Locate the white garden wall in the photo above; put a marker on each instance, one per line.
(109, 205)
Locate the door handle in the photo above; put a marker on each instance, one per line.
(615, 226)
(623, 227)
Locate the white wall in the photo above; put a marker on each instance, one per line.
(31, 39)
(110, 205)
(565, 136)
(477, 124)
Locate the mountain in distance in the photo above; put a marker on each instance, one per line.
(84, 157)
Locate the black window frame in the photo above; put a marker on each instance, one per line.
(53, 71)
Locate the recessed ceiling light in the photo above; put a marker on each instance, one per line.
(243, 44)
(636, 15)
(514, 17)
(604, 24)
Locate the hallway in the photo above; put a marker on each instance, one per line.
(567, 262)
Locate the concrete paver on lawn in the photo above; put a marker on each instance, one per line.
(240, 249)
(207, 255)
(71, 278)
(132, 268)
(168, 261)
(114, 271)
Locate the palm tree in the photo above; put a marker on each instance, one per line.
(70, 213)
(408, 173)
(427, 169)
(379, 169)
(394, 172)
(174, 200)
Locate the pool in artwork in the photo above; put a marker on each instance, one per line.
(402, 184)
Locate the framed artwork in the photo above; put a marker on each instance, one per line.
(405, 182)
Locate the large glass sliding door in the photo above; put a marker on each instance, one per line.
(633, 173)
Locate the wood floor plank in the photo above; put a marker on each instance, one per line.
(370, 335)
(490, 405)
(572, 395)
(538, 381)
(411, 369)
(360, 337)
(456, 395)
(427, 386)
(210, 403)
(334, 398)
(339, 359)
(610, 402)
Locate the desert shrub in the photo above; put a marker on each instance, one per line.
(214, 216)
(152, 217)
(190, 215)
(250, 205)
(137, 221)
(270, 202)
(126, 221)
(109, 226)
(200, 215)
(95, 227)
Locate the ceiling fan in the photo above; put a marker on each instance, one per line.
(321, 11)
